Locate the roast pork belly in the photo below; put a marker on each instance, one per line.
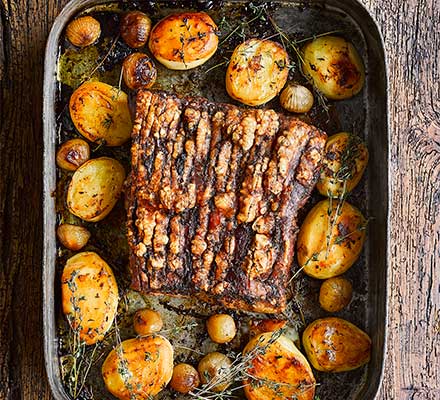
(213, 197)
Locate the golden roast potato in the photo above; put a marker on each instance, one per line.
(95, 188)
(344, 162)
(139, 368)
(100, 113)
(257, 72)
(184, 41)
(335, 294)
(334, 66)
(277, 360)
(89, 295)
(336, 345)
(328, 245)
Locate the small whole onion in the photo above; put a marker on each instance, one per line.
(72, 154)
(221, 328)
(185, 378)
(139, 71)
(135, 28)
(296, 98)
(83, 31)
(146, 322)
(214, 369)
(73, 237)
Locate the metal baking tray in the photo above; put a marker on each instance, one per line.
(366, 113)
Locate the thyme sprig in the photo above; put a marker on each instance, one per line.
(240, 371)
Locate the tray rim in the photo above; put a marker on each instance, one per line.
(49, 186)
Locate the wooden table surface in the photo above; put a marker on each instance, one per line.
(412, 37)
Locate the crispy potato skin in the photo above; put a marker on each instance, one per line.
(335, 345)
(257, 327)
(342, 146)
(88, 284)
(184, 41)
(334, 66)
(257, 72)
(347, 239)
(281, 363)
(335, 294)
(149, 365)
(95, 188)
(100, 112)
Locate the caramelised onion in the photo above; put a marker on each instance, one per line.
(83, 31)
(139, 71)
(135, 28)
(296, 98)
(73, 237)
(72, 154)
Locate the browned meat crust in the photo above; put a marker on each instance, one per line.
(213, 197)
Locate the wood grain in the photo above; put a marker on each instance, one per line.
(412, 40)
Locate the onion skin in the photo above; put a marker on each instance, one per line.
(83, 31)
(73, 237)
(139, 71)
(72, 154)
(135, 28)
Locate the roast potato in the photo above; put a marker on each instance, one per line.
(100, 113)
(214, 371)
(344, 162)
(328, 245)
(139, 368)
(184, 41)
(221, 328)
(259, 326)
(334, 66)
(281, 365)
(89, 295)
(336, 345)
(257, 72)
(95, 188)
(335, 294)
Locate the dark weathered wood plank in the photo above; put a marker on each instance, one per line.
(24, 27)
(413, 45)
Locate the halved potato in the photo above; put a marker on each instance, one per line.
(139, 368)
(89, 295)
(257, 72)
(280, 369)
(95, 188)
(345, 160)
(328, 245)
(100, 113)
(334, 66)
(184, 41)
(336, 345)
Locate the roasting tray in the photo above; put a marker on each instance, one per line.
(367, 114)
